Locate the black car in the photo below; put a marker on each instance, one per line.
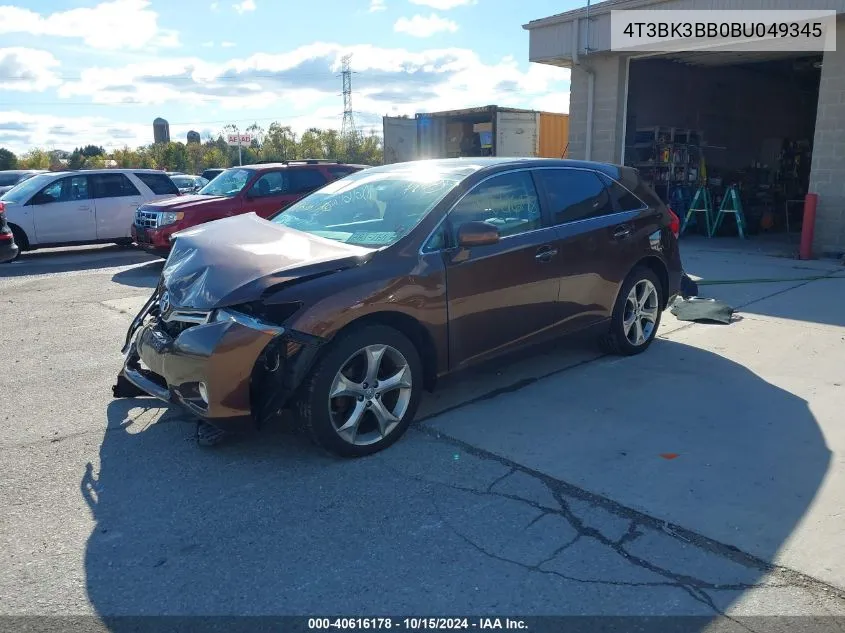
(211, 174)
(8, 249)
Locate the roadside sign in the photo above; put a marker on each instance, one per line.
(237, 140)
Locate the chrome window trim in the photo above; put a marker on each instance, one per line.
(598, 174)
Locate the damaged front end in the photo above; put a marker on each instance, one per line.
(230, 367)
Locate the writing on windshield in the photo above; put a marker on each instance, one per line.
(367, 210)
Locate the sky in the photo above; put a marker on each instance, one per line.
(74, 72)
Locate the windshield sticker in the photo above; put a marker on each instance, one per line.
(373, 238)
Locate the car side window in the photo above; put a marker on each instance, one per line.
(64, 190)
(624, 199)
(508, 201)
(49, 194)
(112, 186)
(574, 194)
(305, 180)
(340, 172)
(274, 183)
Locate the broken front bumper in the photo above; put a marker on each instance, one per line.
(210, 367)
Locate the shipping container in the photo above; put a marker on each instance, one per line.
(400, 139)
(485, 131)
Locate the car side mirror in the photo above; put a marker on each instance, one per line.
(477, 234)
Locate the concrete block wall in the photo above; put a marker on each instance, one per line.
(608, 108)
(827, 177)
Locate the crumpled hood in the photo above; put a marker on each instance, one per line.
(235, 259)
(186, 203)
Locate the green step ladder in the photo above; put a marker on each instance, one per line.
(702, 202)
(731, 204)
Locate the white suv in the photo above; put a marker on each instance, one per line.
(81, 207)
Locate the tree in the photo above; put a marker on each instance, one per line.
(35, 159)
(8, 160)
(89, 151)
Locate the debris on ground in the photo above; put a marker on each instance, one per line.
(702, 310)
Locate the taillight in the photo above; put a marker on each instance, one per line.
(2, 207)
(674, 223)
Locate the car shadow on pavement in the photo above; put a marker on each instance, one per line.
(145, 276)
(76, 260)
(270, 526)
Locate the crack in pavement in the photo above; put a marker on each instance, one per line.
(561, 491)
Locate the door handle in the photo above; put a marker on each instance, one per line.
(622, 232)
(545, 254)
(84, 208)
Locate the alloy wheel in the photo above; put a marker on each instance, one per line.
(641, 311)
(370, 394)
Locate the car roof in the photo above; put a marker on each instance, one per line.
(23, 171)
(105, 170)
(489, 163)
(298, 163)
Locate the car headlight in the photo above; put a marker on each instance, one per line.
(233, 316)
(169, 217)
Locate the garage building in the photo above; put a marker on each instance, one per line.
(769, 124)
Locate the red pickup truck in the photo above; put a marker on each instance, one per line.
(263, 189)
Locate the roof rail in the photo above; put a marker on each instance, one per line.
(311, 161)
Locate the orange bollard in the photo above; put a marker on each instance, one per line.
(808, 226)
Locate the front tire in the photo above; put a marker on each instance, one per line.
(636, 315)
(362, 395)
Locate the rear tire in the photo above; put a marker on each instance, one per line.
(376, 375)
(636, 315)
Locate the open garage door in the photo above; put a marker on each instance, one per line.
(725, 119)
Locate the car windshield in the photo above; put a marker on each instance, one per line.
(372, 208)
(182, 181)
(22, 192)
(229, 183)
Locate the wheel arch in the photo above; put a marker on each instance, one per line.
(410, 327)
(21, 238)
(659, 268)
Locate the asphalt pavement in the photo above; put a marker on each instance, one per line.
(704, 477)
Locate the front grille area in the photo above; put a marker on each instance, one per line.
(146, 219)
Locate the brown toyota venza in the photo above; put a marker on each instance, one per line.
(351, 301)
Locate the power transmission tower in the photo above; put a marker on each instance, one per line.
(348, 131)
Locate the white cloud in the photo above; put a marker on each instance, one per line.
(207, 44)
(421, 26)
(228, 44)
(108, 25)
(244, 6)
(27, 70)
(376, 6)
(443, 5)
(298, 82)
(215, 6)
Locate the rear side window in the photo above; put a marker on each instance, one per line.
(112, 186)
(574, 194)
(624, 199)
(305, 180)
(159, 184)
(340, 172)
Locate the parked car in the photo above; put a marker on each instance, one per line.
(211, 174)
(11, 177)
(263, 189)
(81, 207)
(188, 184)
(346, 321)
(8, 248)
